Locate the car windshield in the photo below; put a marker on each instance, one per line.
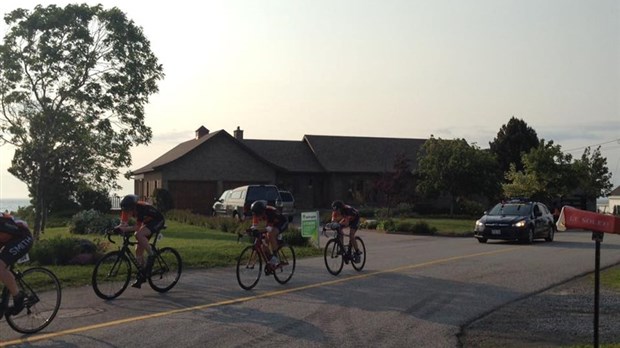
(516, 209)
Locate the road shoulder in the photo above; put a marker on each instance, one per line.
(560, 316)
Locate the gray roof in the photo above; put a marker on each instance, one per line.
(314, 154)
(362, 154)
(615, 192)
(294, 156)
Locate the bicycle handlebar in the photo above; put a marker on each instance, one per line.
(109, 236)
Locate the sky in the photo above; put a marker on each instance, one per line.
(405, 69)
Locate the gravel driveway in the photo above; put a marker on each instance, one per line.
(560, 316)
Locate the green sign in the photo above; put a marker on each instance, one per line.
(310, 224)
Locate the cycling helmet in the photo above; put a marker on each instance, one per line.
(258, 207)
(337, 205)
(129, 202)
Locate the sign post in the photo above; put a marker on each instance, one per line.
(599, 224)
(310, 226)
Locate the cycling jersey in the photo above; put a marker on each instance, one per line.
(347, 216)
(272, 218)
(15, 239)
(145, 214)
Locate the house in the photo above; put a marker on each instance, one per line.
(614, 201)
(317, 170)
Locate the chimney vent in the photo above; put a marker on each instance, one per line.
(238, 133)
(201, 132)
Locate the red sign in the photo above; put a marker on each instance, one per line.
(582, 219)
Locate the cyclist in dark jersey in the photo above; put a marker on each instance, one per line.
(275, 223)
(15, 241)
(347, 216)
(149, 220)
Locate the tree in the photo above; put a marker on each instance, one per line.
(455, 167)
(98, 200)
(513, 140)
(73, 85)
(547, 174)
(593, 175)
(397, 185)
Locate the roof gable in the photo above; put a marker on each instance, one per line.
(615, 192)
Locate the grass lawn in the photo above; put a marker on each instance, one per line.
(448, 227)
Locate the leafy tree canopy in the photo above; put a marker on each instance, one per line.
(73, 85)
(547, 174)
(593, 175)
(513, 140)
(455, 167)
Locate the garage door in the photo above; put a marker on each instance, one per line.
(197, 196)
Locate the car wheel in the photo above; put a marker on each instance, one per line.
(530, 236)
(482, 240)
(551, 234)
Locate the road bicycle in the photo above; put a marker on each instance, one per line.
(41, 303)
(336, 254)
(252, 257)
(114, 270)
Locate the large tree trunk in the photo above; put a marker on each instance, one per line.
(40, 207)
(38, 217)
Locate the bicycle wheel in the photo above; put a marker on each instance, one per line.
(286, 267)
(358, 266)
(111, 275)
(333, 257)
(43, 295)
(166, 270)
(249, 268)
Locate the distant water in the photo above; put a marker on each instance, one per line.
(12, 204)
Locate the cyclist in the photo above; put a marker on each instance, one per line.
(275, 222)
(15, 241)
(149, 220)
(347, 216)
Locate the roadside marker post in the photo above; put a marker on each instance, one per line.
(599, 224)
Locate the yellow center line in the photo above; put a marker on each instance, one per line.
(42, 337)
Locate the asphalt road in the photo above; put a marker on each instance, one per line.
(416, 291)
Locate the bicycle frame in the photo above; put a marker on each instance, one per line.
(128, 243)
(258, 244)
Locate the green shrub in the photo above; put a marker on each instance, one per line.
(293, 237)
(65, 251)
(91, 221)
(224, 224)
(388, 225)
(403, 226)
(419, 227)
